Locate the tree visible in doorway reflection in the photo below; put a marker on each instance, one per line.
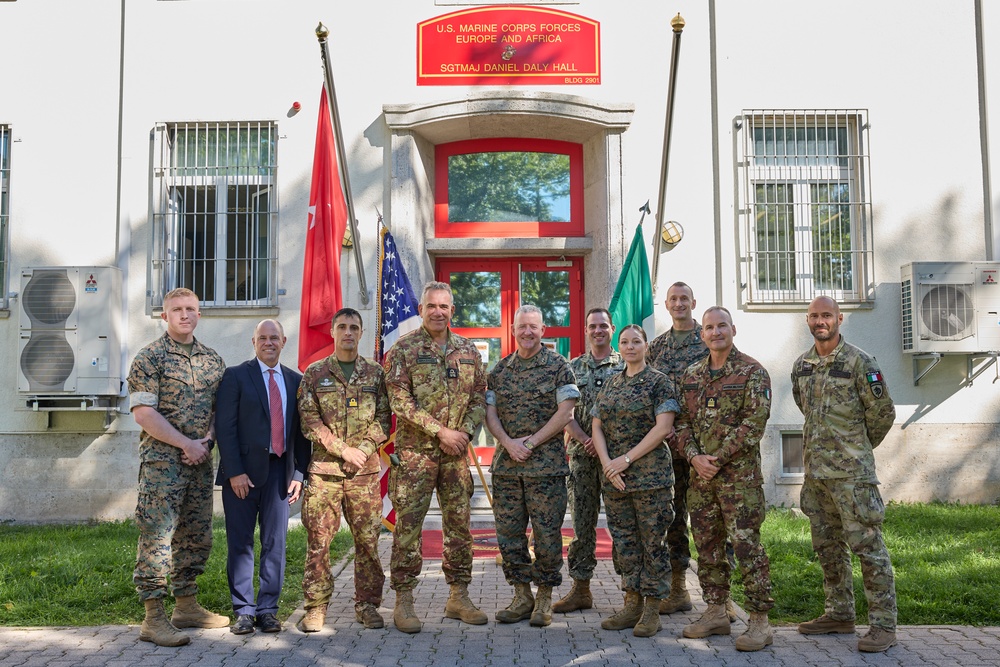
(508, 187)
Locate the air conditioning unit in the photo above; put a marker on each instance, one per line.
(70, 341)
(951, 307)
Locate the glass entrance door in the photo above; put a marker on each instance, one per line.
(487, 293)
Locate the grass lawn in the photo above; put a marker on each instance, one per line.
(82, 574)
(946, 559)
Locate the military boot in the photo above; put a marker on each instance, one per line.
(367, 615)
(825, 625)
(712, 622)
(758, 635)
(541, 614)
(877, 640)
(189, 614)
(649, 624)
(520, 607)
(460, 606)
(403, 615)
(731, 611)
(679, 599)
(628, 616)
(313, 620)
(579, 597)
(157, 629)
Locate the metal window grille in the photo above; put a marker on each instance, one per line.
(792, 454)
(214, 212)
(5, 142)
(804, 205)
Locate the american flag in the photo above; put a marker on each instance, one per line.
(397, 315)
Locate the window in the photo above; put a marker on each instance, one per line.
(4, 208)
(805, 200)
(509, 187)
(215, 212)
(792, 455)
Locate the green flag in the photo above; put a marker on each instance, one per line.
(633, 299)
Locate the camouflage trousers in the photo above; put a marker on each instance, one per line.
(677, 543)
(584, 494)
(411, 484)
(847, 516)
(542, 500)
(174, 515)
(720, 509)
(637, 521)
(360, 500)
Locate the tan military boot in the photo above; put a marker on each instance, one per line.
(579, 597)
(758, 635)
(680, 599)
(712, 622)
(313, 620)
(628, 616)
(157, 629)
(825, 625)
(877, 640)
(731, 610)
(649, 624)
(189, 614)
(520, 607)
(403, 615)
(460, 606)
(541, 614)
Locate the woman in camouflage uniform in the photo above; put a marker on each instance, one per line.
(633, 414)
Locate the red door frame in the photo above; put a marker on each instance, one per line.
(510, 269)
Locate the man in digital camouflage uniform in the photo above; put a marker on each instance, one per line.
(671, 353)
(436, 383)
(591, 370)
(848, 412)
(530, 400)
(344, 411)
(725, 404)
(172, 385)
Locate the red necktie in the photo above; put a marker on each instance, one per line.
(277, 418)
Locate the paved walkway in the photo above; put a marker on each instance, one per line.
(572, 639)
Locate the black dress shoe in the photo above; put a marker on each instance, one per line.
(243, 625)
(268, 623)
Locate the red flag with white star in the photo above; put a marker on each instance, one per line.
(321, 292)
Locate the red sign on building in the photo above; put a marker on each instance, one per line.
(508, 45)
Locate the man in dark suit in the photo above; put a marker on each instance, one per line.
(264, 459)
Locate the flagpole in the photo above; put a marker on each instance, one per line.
(677, 23)
(338, 135)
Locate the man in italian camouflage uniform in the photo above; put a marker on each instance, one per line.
(172, 385)
(591, 370)
(725, 404)
(848, 412)
(530, 400)
(344, 411)
(436, 383)
(671, 353)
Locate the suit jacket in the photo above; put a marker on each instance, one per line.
(243, 425)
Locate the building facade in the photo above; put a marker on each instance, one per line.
(814, 151)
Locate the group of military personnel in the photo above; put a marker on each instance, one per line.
(659, 430)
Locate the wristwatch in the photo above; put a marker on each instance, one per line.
(529, 444)
(628, 460)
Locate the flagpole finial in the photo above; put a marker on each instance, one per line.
(321, 32)
(677, 23)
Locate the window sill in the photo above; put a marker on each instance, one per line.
(468, 247)
(790, 480)
(798, 306)
(229, 311)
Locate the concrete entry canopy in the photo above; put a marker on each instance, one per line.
(597, 126)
